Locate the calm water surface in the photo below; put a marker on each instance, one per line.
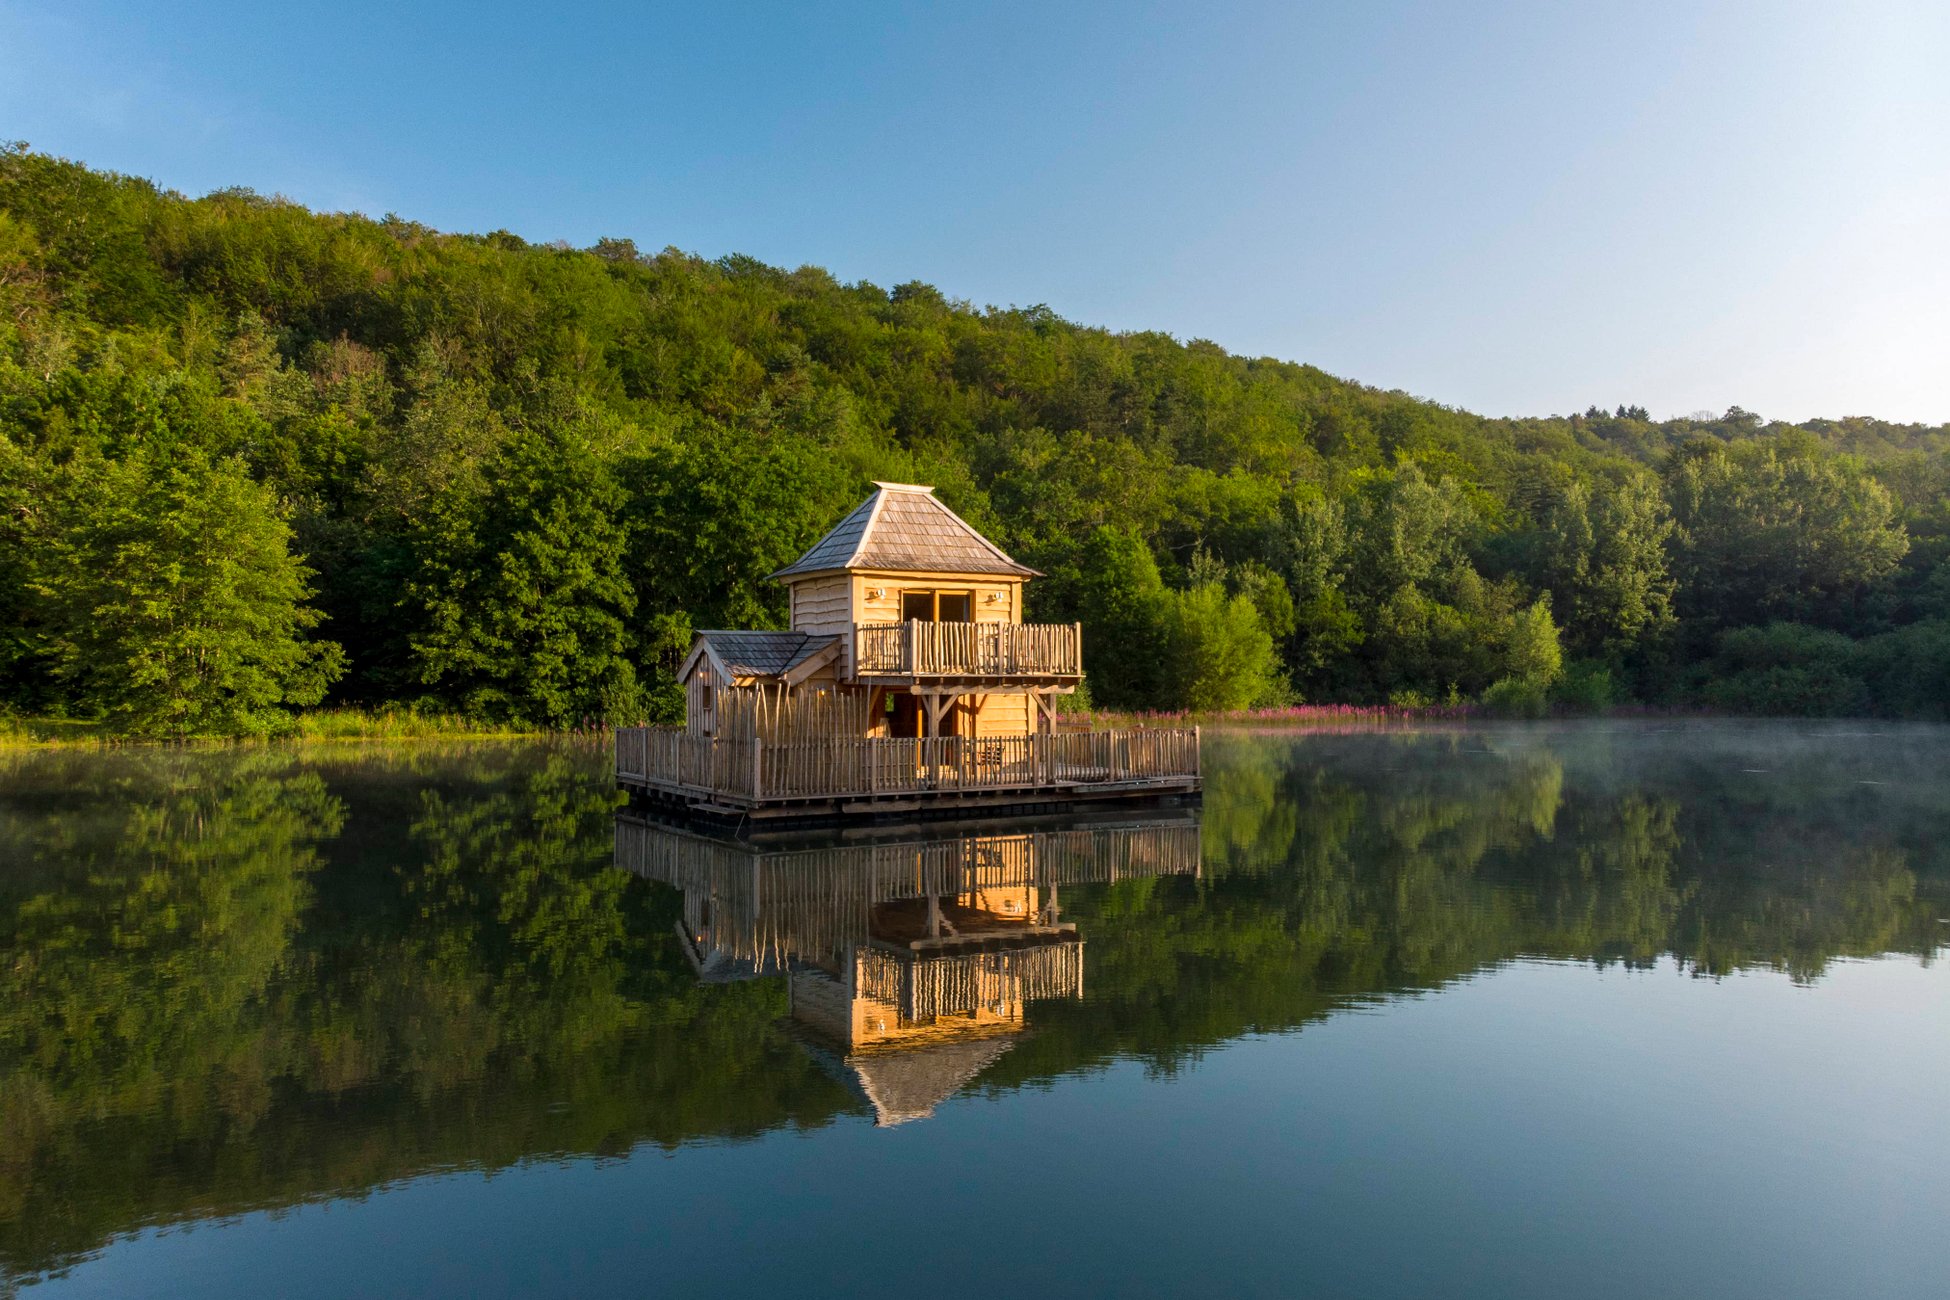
(1599, 1010)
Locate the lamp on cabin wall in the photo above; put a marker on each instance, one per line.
(993, 598)
(876, 593)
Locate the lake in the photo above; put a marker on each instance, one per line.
(1599, 1009)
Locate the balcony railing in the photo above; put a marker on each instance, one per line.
(918, 649)
(749, 772)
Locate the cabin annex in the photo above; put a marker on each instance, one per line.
(907, 678)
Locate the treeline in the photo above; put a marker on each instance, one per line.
(255, 458)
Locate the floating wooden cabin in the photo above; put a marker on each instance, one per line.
(907, 683)
(910, 963)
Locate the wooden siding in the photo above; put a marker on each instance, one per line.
(700, 700)
(825, 605)
(1001, 713)
(886, 607)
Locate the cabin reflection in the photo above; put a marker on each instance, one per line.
(910, 961)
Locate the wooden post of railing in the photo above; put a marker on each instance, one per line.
(1074, 659)
(1197, 756)
(758, 752)
(913, 646)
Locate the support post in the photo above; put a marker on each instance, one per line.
(757, 753)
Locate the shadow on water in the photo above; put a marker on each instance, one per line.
(251, 979)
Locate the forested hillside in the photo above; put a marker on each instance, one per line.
(254, 458)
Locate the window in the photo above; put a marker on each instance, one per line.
(938, 606)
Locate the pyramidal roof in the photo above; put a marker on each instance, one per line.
(904, 526)
(908, 1085)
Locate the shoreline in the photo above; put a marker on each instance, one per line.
(322, 727)
(359, 727)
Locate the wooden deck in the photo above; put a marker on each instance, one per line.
(845, 773)
(915, 650)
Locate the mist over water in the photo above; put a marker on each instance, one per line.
(1595, 1008)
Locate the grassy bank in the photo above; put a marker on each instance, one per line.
(1297, 715)
(316, 726)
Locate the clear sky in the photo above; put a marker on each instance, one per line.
(1515, 208)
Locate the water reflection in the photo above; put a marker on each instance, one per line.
(910, 960)
(251, 979)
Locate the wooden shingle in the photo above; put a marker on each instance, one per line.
(904, 527)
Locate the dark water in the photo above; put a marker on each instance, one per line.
(1585, 1010)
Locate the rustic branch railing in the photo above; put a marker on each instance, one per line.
(920, 649)
(864, 767)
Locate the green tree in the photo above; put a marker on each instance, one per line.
(172, 602)
(1764, 534)
(524, 595)
(1121, 596)
(1531, 653)
(1600, 550)
(1218, 655)
(718, 510)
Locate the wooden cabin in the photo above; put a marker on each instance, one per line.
(907, 678)
(911, 962)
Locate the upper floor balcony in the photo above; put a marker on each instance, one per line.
(917, 650)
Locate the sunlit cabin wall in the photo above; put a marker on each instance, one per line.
(877, 599)
(877, 596)
(1004, 714)
(987, 992)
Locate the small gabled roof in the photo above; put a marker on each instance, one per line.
(904, 526)
(784, 655)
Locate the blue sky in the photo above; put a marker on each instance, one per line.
(1515, 208)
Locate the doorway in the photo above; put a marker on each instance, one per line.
(909, 717)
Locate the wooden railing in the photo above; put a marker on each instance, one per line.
(841, 767)
(923, 649)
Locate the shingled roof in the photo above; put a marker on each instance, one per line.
(907, 1083)
(757, 654)
(904, 527)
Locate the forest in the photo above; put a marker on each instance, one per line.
(256, 459)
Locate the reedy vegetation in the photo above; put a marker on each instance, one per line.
(254, 458)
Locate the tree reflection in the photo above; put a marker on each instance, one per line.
(251, 978)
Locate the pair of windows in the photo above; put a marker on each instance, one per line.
(938, 606)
